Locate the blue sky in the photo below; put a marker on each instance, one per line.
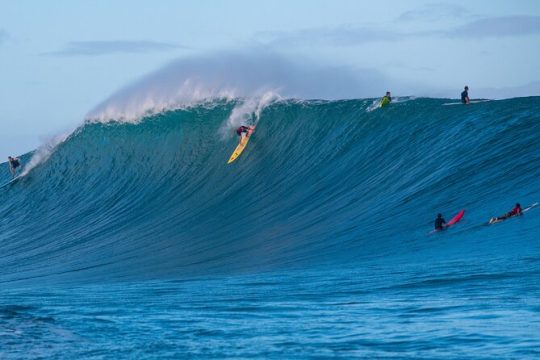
(59, 59)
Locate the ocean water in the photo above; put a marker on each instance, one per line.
(135, 239)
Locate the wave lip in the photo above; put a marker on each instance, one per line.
(228, 75)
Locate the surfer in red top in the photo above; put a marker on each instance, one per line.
(516, 211)
(244, 131)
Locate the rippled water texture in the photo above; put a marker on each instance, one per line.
(137, 240)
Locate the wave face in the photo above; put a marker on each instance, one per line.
(320, 183)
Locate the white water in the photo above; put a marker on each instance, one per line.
(227, 75)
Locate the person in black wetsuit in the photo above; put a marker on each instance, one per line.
(465, 96)
(439, 222)
(14, 163)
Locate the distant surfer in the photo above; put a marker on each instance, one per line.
(243, 131)
(516, 211)
(439, 223)
(14, 163)
(386, 99)
(465, 96)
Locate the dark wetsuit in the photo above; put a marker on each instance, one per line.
(464, 96)
(439, 222)
(14, 163)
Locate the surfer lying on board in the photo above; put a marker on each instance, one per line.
(465, 96)
(439, 223)
(14, 163)
(516, 211)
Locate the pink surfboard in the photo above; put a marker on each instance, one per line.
(456, 218)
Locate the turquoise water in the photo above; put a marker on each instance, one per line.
(137, 240)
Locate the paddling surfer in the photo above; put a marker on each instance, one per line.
(516, 211)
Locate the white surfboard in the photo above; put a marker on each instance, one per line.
(14, 180)
(495, 220)
(470, 102)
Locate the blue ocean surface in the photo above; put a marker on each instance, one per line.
(136, 239)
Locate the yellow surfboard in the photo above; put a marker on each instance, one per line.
(241, 146)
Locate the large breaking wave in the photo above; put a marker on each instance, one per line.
(321, 182)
